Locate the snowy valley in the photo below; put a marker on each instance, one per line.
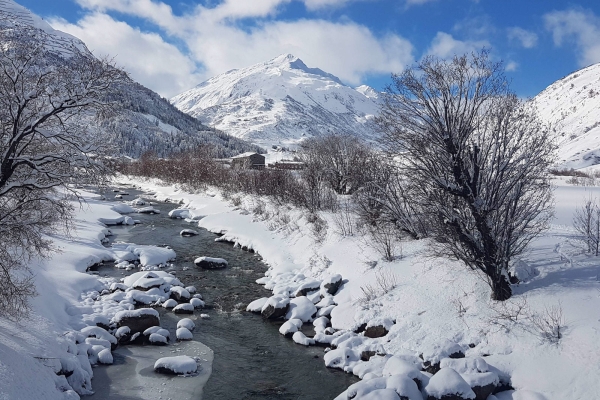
(326, 277)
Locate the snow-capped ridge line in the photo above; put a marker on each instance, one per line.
(280, 102)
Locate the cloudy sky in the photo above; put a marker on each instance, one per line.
(172, 45)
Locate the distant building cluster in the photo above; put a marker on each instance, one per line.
(251, 160)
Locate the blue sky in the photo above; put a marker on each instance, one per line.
(172, 45)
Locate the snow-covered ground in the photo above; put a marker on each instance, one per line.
(50, 354)
(436, 307)
(570, 107)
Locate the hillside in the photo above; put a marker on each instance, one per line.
(279, 102)
(147, 122)
(570, 105)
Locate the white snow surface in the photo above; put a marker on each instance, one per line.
(424, 302)
(570, 105)
(279, 102)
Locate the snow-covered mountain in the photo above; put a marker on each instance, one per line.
(279, 102)
(571, 106)
(147, 121)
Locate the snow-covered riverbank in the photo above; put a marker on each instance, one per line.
(50, 354)
(436, 306)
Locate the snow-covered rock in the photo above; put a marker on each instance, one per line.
(169, 303)
(184, 334)
(301, 308)
(158, 339)
(331, 285)
(180, 294)
(197, 303)
(300, 338)
(186, 323)
(393, 387)
(178, 365)
(188, 233)
(210, 262)
(257, 305)
(185, 308)
(123, 208)
(180, 213)
(275, 307)
(105, 357)
(290, 327)
(137, 320)
(147, 210)
(447, 382)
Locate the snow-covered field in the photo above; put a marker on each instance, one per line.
(436, 306)
(431, 307)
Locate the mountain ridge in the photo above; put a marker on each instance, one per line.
(280, 102)
(570, 107)
(147, 121)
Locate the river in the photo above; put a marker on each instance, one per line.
(243, 356)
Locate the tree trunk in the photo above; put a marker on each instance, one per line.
(501, 290)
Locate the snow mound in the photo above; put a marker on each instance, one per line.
(447, 382)
(186, 323)
(183, 334)
(301, 308)
(178, 365)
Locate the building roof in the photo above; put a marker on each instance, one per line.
(247, 154)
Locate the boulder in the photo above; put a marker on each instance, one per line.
(447, 384)
(185, 308)
(375, 331)
(188, 233)
(137, 320)
(157, 339)
(275, 307)
(179, 365)
(186, 323)
(210, 262)
(183, 334)
(180, 294)
(331, 284)
(307, 287)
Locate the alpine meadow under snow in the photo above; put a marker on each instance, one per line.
(425, 239)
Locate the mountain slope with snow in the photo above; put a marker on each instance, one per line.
(571, 106)
(147, 122)
(280, 102)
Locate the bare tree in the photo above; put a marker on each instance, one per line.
(479, 159)
(587, 223)
(50, 97)
(387, 196)
(342, 159)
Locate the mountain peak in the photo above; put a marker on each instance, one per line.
(283, 59)
(291, 62)
(280, 102)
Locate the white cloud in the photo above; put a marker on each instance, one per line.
(526, 38)
(417, 2)
(318, 4)
(582, 28)
(444, 45)
(511, 66)
(216, 40)
(146, 56)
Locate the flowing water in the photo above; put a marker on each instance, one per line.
(250, 359)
